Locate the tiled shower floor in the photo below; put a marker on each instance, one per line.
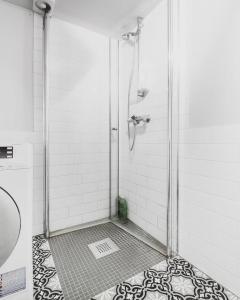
(82, 276)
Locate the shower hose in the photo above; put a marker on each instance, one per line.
(131, 142)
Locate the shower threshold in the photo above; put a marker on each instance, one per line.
(140, 234)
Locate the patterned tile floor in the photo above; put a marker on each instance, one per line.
(173, 279)
(46, 284)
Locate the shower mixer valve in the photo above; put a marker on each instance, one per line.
(136, 120)
(142, 93)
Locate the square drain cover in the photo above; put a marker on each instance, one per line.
(103, 248)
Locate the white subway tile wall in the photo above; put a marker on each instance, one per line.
(210, 139)
(143, 172)
(79, 120)
(78, 125)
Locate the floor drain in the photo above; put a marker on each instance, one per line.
(103, 248)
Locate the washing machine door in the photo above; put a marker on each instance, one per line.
(10, 225)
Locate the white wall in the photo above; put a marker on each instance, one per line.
(210, 138)
(79, 125)
(16, 99)
(143, 172)
(21, 90)
(38, 128)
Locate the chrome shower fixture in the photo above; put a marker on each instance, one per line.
(142, 93)
(127, 36)
(139, 120)
(139, 94)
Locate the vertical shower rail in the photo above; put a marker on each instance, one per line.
(173, 127)
(46, 23)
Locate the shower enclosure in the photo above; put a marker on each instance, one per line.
(108, 128)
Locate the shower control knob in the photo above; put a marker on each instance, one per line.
(114, 129)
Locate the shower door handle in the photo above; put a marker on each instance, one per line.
(114, 129)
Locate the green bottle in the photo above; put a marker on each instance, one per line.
(122, 209)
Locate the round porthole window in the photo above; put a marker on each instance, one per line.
(10, 225)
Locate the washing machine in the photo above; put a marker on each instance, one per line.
(16, 185)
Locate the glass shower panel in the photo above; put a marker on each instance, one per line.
(144, 170)
(114, 124)
(78, 126)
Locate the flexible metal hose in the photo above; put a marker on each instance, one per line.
(136, 44)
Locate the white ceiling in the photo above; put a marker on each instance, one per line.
(24, 3)
(110, 17)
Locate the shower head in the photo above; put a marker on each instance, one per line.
(43, 6)
(127, 36)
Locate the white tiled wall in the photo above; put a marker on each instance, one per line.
(79, 132)
(210, 138)
(143, 172)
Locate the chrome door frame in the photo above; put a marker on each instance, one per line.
(45, 32)
(173, 130)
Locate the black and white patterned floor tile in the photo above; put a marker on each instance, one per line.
(173, 279)
(45, 279)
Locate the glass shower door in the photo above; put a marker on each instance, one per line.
(78, 126)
